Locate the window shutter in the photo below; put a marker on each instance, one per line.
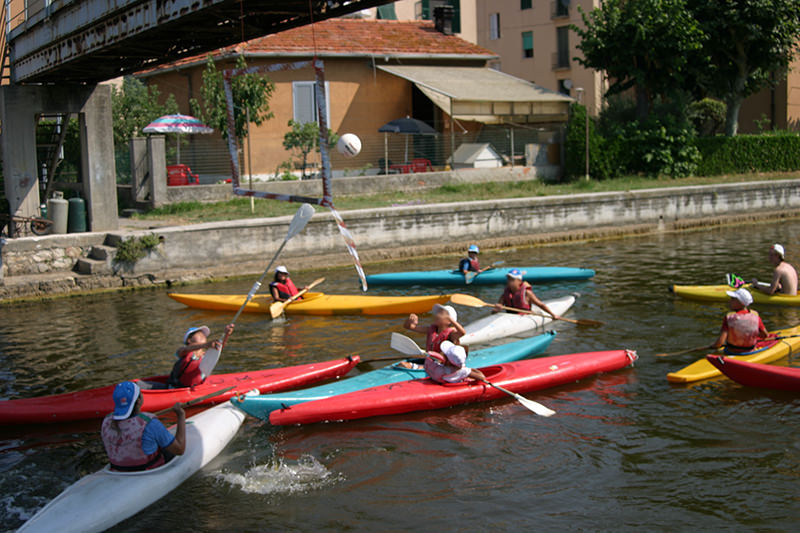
(303, 101)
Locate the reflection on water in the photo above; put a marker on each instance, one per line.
(626, 449)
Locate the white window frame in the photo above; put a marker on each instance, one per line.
(312, 84)
(494, 26)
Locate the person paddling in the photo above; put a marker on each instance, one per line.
(784, 275)
(136, 441)
(445, 327)
(186, 370)
(471, 262)
(282, 287)
(519, 295)
(742, 328)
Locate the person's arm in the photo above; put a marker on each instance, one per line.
(533, 299)
(460, 331)
(463, 266)
(183, 351)
(762, 329)
(178, 445)
(772, 287)
(412, 324)
(228, 331)
(721, 340)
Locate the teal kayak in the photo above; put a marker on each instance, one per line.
(495, 276)
(261, 406)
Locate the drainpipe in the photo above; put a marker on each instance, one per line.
(452, 137)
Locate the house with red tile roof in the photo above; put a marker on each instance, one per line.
(376, 71)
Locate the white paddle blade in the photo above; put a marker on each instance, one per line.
(209, 361)
(403, 344)
(536, 407)
(301, 218)
(469, 277)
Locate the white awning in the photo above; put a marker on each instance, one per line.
(485, 95)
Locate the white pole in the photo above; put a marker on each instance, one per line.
(250, 163)
(385, 153)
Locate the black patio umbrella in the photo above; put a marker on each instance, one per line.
(406, 126)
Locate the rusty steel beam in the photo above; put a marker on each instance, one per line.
(94, 40)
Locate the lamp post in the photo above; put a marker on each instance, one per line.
(586, 142)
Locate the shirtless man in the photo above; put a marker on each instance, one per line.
(784, 277)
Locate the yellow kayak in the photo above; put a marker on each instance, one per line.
(716, 293)
(317, 303)
(702, 369)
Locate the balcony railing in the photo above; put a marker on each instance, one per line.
(559, 9)
(561, 61)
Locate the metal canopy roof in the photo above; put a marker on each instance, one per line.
(485, 95)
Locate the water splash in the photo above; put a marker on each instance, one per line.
(282, 477)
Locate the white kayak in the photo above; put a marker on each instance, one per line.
(105, 498)
(499, 325)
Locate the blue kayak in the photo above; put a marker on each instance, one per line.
(262, 406)
(496, 276)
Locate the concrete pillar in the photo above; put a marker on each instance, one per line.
(140, 169)
(157, 163)
(18, 107)
(97, 159)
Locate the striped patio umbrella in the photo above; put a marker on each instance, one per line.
(184, 124)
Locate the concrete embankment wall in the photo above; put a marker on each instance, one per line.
(241, 246)
(365, 185)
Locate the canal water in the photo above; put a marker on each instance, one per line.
(626, 449)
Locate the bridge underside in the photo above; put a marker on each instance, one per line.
(87, 41)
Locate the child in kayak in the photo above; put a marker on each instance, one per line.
(445, 327)
(448, 365)
(519, 295)
(136, 441)
(186, 371)
(470, 263)
(282, 287)
(742, 328)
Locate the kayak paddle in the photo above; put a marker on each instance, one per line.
(469, 277)
(276, 309)
(196, 400)
(405, 345)
(472, 301)
(301, 218)
(690, 350)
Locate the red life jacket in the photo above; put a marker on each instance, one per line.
(743, 329)
(435, 338)
(474, 264)
(517, 300)
(186, 372)
(124, 447)
(286, 289)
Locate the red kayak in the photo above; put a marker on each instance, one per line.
(424, 394)
(97, 403)
(757, 374)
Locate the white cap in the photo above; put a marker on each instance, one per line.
(474, 248)
(282, 269)
(778, 249)
(449, 309)
(743, 295)
(456, 354)
(192, 331)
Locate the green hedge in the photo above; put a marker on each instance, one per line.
(748, 153)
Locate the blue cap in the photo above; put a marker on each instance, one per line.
(125, 395)
(473, 248)
(514, 273)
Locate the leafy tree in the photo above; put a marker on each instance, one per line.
(250, 92)
(652, 46)
(304, 138)
(134, 106)
(750, 45)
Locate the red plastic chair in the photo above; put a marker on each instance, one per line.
(421, 165)
(181, 175)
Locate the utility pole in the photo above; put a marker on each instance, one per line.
(586, 141)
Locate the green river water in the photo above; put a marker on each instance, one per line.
(626, 449)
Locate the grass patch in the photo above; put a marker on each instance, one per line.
(192, 212)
